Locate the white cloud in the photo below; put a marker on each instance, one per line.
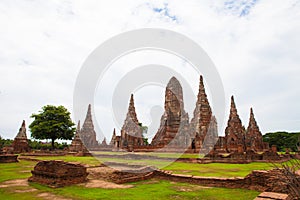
(254, 44)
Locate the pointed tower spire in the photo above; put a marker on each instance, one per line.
(131, 132)
(234, 124)
(88, 117)
(20, 143)
(23, 124)
(252, 122)
(253, 134)
(233, 110)
(174, 116)
(252, 115)
(77, 144)
(235, 131)
(131, 110)
(104, 142)
(22, 131)
(77, 133)
(202, 115)
(78, 125)
(201, 93)
(87, 133)
(113, 138)
(131, 99)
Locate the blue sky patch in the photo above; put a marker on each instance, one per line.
(165, 11)
(240, 8)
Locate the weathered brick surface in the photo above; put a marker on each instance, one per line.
(260, 180)
(77, 145)
(235, 131)
(254, 138)
(131, 132)
(201, 119)
(20, 143)
(87, 132)
(242, 144)
(173, 130)
(58, 173)
(8, 158)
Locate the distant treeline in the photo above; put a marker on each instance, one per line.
(283, 140)
(33, 144)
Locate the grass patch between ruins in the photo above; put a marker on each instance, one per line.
(88, 160)
(208, 170)
(10, 171)
(217, 169)
(152, 190)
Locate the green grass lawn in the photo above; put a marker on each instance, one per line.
(151, 189)
(157, 154)
(91, 161)
(208, 170)
(174, 155)
(141, 190)
(217, 169)
(9, 171)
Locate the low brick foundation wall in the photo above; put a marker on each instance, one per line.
(259, 180)
(8, 158)
(58, 173)
(199, 180)
(136, 178)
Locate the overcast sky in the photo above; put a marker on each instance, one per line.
(254, 44)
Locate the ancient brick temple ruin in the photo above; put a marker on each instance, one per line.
(237, 138)
(173, 130)
(254, 139)
(77, 145)
(20, 143)
(113, 139)
(203, 126)
(87, 132)
(200, 134)
(234, 133)
(131, 132)
(58, 173)
(176, 132)
(242, 143)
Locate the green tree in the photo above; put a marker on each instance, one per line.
(52, 123)
(5, 142)
(282, 140)
(144, 131)
(1, 142)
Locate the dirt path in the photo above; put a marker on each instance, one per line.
(50, 196)
(22, 186)
(14, 183)
(105, 184)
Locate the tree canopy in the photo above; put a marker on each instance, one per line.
(282, 140)
(52, 122)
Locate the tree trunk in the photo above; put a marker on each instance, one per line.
(52, 144)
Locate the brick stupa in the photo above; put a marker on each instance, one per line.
(87, 132)
(113, 138)
(77, 145)
(131, 132)
(254, 139)
(174, 120)
(202, 117)
(235, 131)
(20, 143)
